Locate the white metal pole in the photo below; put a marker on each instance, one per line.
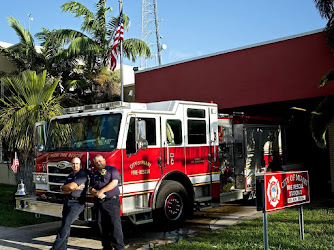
(121, 56)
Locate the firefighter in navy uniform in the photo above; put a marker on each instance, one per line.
(75, 187)
(104, 187)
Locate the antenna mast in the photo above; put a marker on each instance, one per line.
(150, 32)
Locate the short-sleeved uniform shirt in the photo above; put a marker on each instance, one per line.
(79, 178)
(99, 181)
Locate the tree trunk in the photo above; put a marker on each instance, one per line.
(24, 172)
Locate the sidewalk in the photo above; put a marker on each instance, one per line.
(83, 237)
(41, 236)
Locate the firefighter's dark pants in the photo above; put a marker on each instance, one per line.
(71, 210)
(109, 222)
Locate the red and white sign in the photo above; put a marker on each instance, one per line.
(286, 189)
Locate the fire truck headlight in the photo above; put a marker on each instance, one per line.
(39, 178)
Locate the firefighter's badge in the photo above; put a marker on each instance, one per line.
(273, 191)
(103, 172)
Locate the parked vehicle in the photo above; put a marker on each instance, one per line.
(171, 157)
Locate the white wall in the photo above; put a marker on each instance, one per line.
(6, 174)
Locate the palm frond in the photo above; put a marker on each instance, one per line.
(325, 8)
(329, 33)
(65, 36)
(101, 14)
(80, 10)
(326, 78)
(320, 120)
(23, 34)
(135, 47)
(80, 46)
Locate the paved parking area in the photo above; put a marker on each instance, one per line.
(84, 236)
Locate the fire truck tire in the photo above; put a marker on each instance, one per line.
(172, 204)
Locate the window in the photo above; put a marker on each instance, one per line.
(150, 134)
(150, 130)
(196, 132)
(196, 113)
(131, 139)
(93, 133)
(174, 132)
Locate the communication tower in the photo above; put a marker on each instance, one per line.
(150, 33)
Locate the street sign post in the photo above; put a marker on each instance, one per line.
(281, 190)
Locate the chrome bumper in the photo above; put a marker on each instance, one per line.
(31, 205)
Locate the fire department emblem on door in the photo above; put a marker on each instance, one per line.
(273, 191)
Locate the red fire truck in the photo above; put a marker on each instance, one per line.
(170, 156)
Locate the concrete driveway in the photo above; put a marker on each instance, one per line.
(84, 236)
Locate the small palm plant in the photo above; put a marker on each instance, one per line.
(28, 99)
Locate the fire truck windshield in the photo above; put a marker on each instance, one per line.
(93, 133)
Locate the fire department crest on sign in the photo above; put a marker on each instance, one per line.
(273, 191)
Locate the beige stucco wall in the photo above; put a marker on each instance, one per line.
(6, 65)
(6, 174)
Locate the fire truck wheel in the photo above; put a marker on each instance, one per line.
(172, 204)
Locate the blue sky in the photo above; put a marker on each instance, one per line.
(190, 28)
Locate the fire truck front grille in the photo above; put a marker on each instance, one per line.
(55, 170)
(55, 188)
(57, 174)
(57, 179)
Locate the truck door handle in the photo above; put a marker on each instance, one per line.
(167, 148)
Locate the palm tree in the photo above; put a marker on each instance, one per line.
(67, 66)
(24, 55)
(30, 100)
(326, 10)
(324, 113)
(94, 41)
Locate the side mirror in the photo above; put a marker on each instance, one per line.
(141, 134)
(40, 136)
(41, 148)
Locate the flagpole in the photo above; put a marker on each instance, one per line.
(121, 55)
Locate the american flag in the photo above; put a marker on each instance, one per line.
(118, 37)
(15, 164)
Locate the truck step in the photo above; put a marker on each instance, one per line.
(204, 207)
(203, 199)
(136, 211)
(232, 195)
(140, 222)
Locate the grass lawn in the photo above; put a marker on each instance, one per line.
(13, 218)
(283, 227)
